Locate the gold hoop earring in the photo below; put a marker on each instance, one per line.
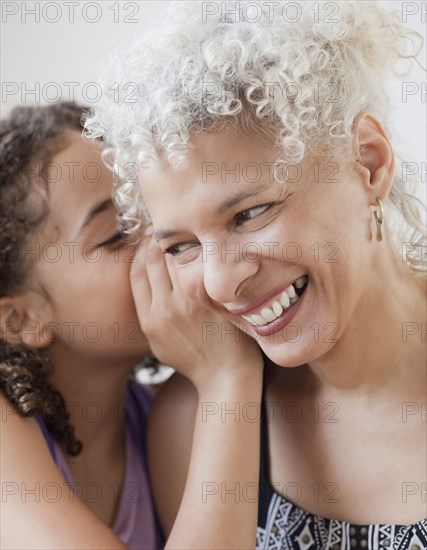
(379, 218)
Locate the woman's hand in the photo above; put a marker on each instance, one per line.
(196, 341)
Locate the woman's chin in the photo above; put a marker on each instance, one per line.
(294, 353)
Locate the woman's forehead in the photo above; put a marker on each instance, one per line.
(219, 157)
(221, 166)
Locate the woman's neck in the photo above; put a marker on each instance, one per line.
(383, 346)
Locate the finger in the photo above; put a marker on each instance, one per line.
(170, 266)
(139, 282)
(157, 272)
(138, 257)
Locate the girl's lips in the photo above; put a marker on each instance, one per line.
(280, 323)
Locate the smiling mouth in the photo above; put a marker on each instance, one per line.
(279, 304)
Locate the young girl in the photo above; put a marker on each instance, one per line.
(70, 339)
(258, 136)
(69, 342)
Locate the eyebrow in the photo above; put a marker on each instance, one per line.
(233, 201)
(221, 209)
(93, 212)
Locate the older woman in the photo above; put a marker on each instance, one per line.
(259, 132)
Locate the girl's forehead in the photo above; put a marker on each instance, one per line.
(77, 179)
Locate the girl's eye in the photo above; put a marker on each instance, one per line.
(251, 213)
(114, 240)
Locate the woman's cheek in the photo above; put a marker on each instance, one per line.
(190, 278)
(273, 242)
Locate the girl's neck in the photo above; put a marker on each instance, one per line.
(95, 398)
(95, 395)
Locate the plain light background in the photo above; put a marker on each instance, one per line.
(71, 41)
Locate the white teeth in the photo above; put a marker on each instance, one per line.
(290, 291)
(258, 320)
(277, 308)
(284, 299)
(287, 298)
(299, 283)
(268, 314)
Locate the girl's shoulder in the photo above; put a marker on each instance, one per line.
(168, 400)
(170, 436)
(33, 483)
(174, 405)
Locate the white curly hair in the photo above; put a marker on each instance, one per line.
(277, 70)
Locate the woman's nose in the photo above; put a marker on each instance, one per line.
(225, 267)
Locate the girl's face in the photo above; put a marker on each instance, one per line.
(287, 262)
(81, 264)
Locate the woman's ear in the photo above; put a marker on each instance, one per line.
(374, 156)
(20, 323)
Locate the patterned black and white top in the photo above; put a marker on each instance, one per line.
(284, 526)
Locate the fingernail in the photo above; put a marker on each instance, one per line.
(148, 231)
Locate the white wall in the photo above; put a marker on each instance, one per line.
(47, 55)
(64, 47)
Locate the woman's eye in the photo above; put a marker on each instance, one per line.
(251, 213)
(117, 238)
(179, 248)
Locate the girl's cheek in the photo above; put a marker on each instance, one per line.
(120, 255)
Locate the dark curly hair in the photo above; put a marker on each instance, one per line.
(29, 138)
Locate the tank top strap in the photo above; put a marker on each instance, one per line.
(137, 407)
(138, 402)
(48, 437)
(265, 489)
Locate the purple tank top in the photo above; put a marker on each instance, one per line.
(135, 522)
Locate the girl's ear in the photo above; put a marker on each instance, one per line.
(20, 324)
(374, 155)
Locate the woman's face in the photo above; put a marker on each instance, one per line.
(82, 265)
(287, 262)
